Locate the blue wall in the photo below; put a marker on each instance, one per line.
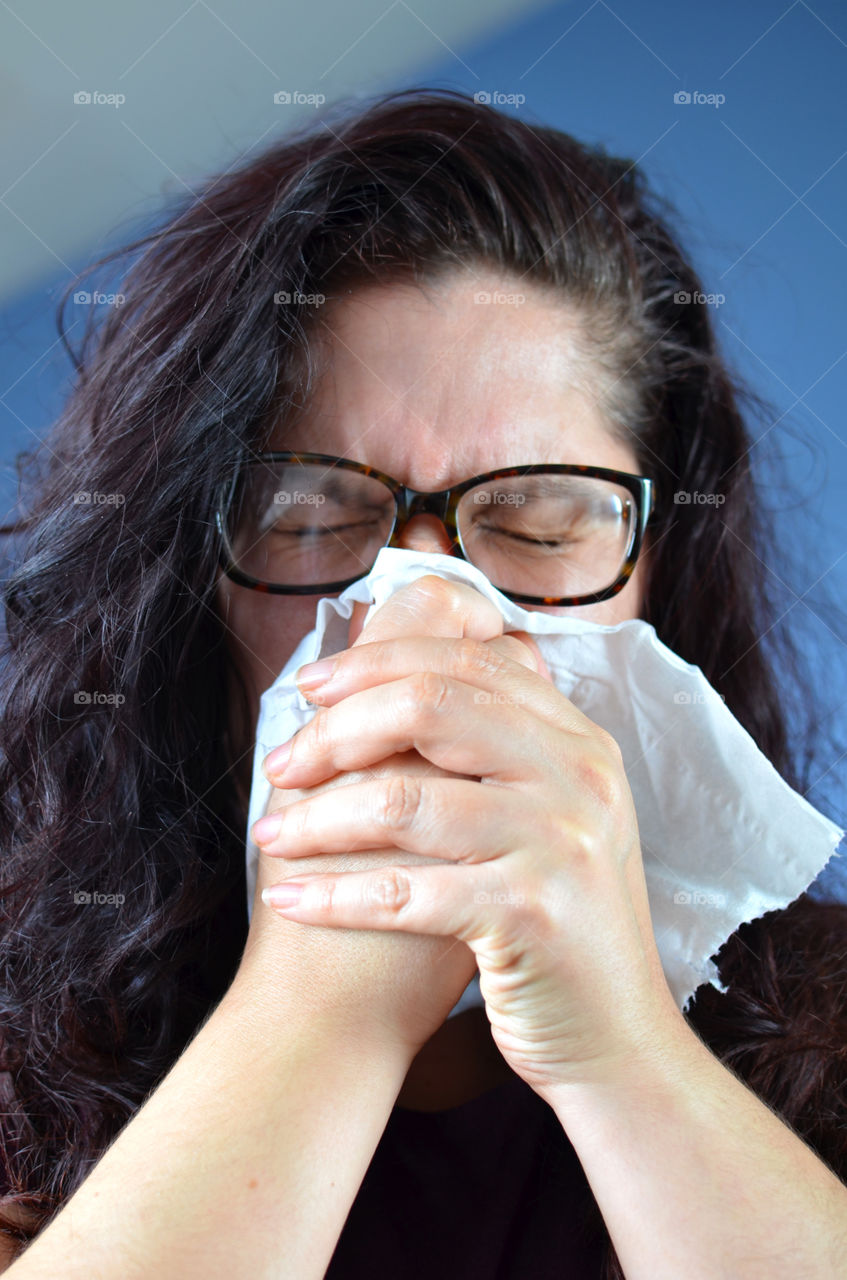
(761, 185)
(760, 182)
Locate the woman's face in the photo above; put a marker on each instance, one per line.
(432, 388)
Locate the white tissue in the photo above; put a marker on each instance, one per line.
(724, 838)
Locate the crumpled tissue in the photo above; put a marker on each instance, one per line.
(724, 838)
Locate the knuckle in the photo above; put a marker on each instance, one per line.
(401, 803)
(579, 842)
(325, 895)
(609, 744)
(428, 691)
(602, 779)
(319, 734)
(523, 651)
(391, 890)
(438, 592)
(476, 658)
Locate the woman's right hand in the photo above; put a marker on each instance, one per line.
(372, 983)
(395, 986)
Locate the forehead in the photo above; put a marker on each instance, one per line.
(438, 383)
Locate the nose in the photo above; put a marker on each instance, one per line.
(425, 532)
(422, 532)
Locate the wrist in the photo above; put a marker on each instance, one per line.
(653, 1066)
(278, 1009)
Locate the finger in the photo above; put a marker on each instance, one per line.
(440, 817)
(501, 667)
(454, 726)
(519, 647)
(442, 901)
(529, 643)
(433, 606)
(478, 661)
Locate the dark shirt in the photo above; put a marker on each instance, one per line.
(489, 1190)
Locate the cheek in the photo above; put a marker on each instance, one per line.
(625, 605)
(262, 631)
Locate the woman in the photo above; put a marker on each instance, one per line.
(300, 1084)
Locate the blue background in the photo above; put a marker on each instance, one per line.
(760, 183)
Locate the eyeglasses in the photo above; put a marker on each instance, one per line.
(304, 523)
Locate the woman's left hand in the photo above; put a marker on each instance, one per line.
(541, 872)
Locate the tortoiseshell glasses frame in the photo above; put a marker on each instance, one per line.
(443, 504)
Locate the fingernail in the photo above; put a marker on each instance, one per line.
(282, 895)
(278, 758)
(314, 674)
(267, 829)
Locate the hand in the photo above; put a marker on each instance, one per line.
(389, 983)
(539, 866)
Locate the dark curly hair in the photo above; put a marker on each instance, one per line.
(113, 640)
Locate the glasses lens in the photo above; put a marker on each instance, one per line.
(545, 534)
(302, 524)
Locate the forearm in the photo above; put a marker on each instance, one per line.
(695, 1177)
(244, 1162)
